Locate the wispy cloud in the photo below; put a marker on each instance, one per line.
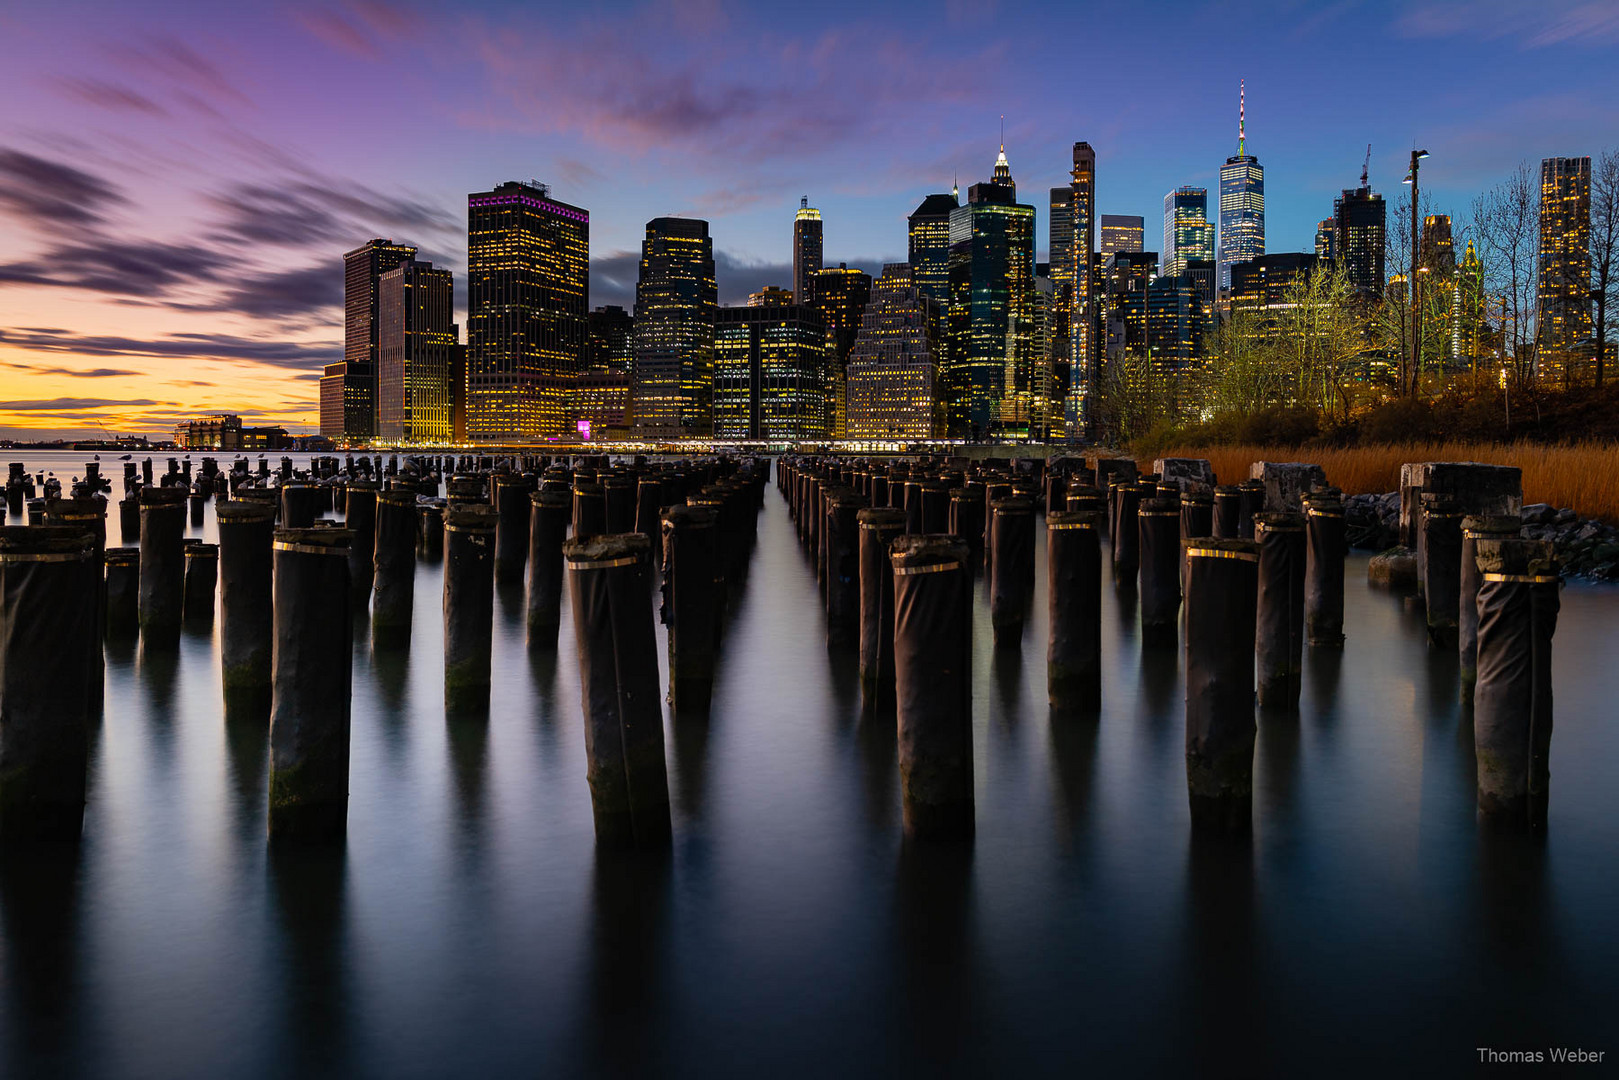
(126, 268)
(115, 97)
(648, 79)
(1591, 23)
(76, 373)
(180, 346)
(38, 191)
(362, 28)
(71, 404)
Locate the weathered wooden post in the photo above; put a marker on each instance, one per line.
(1326, 548)
(933, 685)
(123, 592)
(246, 597)
(162, 599)
(393, 594)
(693, 605)
(589, 510)
(1221, 590)
(1074, 585)
(469, 603)
(1441, 568)
(1227, 512)
(1512, 700)
(1279, 640)
(360, 518)
(309, 707)
(1126, 534)
(48, 652)
(512, 504)
(609, 578)
(1474, 529)
(549, 513)
(879, 527)
(1159, 524)
(1011, 568)
(201, 577)
(843, 569)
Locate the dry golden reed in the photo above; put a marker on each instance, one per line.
(1582, 475)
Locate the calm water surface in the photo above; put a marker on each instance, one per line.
(469, 926)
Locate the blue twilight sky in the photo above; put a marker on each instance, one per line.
(178, 180)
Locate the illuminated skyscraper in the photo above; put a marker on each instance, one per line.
(771, 296)
(602, 395)
(930, 245)
(1562, 293)
(1127, 275)
(768, 369)
(348, 388)
(1242, 200)
(1122, 232)
(1260, 285)
(416, 345)
(1187, 232)
(990, 365)
(1467, 316)
(840, 296)
(1360, 228)
(806, 249)
(675, 302)
(528, 279)
(893, 367)
(1071, 314)
(1438, 247)
(1325, 242)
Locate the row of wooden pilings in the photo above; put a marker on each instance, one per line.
(1243, 576)
(291, 581)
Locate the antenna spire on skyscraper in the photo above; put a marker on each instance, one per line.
(1242, 116)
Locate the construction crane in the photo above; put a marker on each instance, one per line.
(1366, 168)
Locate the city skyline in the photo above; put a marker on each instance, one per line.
(173, 223)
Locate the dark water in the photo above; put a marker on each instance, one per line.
(470, 928)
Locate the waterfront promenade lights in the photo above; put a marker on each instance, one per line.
(1416, 250)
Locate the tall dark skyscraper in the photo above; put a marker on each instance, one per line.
(675, 304)
(1072, 311)
(1187, 232)
(1178, 315)
(348, 389)
(1260, 285)
(1242, 199)
(769, 364)
(806, 250)
(1562, 291)
(602, 396)
(416, 367)
(990, 373)
(1360, 227)
(1127, 275)
(930, 245)
(1122, 232)
(528, 282)
(839, 297)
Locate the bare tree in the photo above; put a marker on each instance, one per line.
(1506, 231)
(1604, 250)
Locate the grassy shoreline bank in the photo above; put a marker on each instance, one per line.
(1581, 475)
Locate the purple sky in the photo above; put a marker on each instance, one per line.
(178, 180)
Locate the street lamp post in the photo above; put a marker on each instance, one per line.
(1416, 248)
